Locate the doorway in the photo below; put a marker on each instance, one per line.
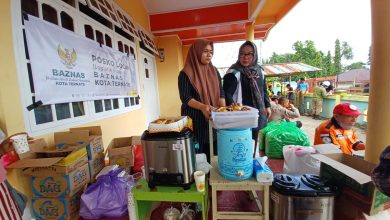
(151, 98)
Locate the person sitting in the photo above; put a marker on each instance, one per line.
(284, 110)
(274, 99)
(339, 129)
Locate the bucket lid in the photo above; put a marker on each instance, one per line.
(314, 181)
(302, 185)
(285, 181)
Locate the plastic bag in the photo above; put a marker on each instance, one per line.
(283, 135)
(138, 159)
(202, 164)
(186, 212)
(107, 197)
(273, 125)
(297, 160)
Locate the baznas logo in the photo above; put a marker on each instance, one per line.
(67, 58)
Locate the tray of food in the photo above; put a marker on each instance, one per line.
(168, 124)
(235, 116)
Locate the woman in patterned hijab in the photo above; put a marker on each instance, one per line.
(244, 83)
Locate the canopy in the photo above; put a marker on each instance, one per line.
(287, 69)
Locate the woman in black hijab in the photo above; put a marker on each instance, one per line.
(244, 83)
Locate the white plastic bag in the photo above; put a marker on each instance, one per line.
(298, 160)
(202, 164)
(327, 148)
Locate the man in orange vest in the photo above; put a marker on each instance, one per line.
(338, 130)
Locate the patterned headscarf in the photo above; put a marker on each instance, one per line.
(203, 77)
(252, 72)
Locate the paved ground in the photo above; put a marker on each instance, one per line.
(309, 125)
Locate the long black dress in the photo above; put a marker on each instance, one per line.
(200, 125)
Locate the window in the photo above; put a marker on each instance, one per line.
(104, 8)
(147, 42)
(44, 118)
(146, 68)
(126, 22)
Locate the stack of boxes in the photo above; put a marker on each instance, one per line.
(60, 173)
(58, 177)
(95, 148)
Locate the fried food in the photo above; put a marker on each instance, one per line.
(164, 121)
(235, 107)
(160, 121)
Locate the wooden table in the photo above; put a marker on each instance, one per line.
(218, 183)
(144, 197)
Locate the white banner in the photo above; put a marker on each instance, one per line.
(67, 67)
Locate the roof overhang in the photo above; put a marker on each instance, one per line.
(288, 69)
(224, 21)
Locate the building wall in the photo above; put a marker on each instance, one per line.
(168, 72)
(11, 117)
(136, 9)
(11, 109)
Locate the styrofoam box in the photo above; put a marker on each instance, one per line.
(176, 126)
(236, 119)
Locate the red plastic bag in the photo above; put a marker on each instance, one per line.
(138, 159)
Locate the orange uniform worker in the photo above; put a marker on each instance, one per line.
(338, 130)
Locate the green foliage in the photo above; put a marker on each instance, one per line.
(353, 66)
(307, 53)
(346, 51)
(337, 57)
(328, 68)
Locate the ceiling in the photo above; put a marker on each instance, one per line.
(216, 20)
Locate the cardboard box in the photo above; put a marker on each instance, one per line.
(62, 161)
(61, 175)
(352, 177)
(93, 138)
(121, 150)
(60, 185)
(96, 165)
(57, 208)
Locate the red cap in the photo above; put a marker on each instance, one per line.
(346, 109)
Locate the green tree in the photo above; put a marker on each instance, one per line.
(305, 52)
(346, 51)
(357, 65)
(337, 58)
(317, 62)
(277, 58)
(328, 65)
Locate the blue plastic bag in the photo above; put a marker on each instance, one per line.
(107, 197)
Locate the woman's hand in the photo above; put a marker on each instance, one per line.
(206, 110)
